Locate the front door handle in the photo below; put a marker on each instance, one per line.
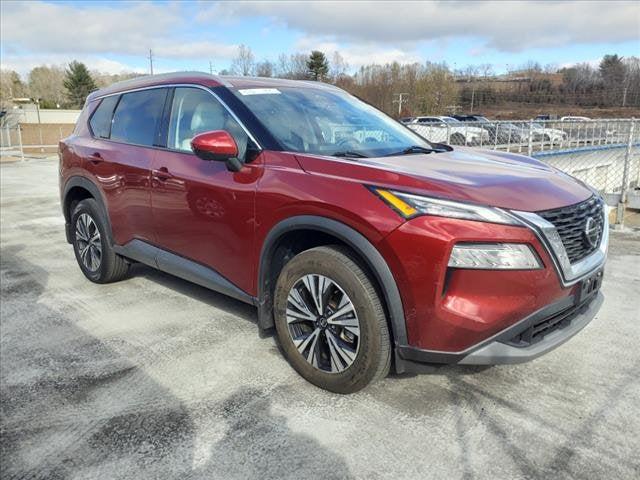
(161, 174)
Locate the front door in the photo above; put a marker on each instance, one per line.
(202, 211)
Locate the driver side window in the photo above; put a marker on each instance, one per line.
(195, 111)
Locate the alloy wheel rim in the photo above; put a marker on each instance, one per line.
(88, 242)
(323, 323)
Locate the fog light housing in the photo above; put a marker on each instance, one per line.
(494, 256)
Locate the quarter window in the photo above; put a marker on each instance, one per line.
(101, 119)
(195, 111)
(137, 116)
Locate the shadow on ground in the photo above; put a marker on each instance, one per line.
(72, 407)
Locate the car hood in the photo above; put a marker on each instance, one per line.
(486, 177)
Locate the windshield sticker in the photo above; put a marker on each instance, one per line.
(259, 91)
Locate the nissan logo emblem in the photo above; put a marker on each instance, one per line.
(592, 232)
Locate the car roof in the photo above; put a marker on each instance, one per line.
(204, 79)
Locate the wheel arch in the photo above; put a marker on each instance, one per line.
(76, 189)
(345, 235)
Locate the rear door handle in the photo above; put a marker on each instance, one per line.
(96, 158)
(161, 174)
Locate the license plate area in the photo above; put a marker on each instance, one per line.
(590, 286)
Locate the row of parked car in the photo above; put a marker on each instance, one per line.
(477, 129)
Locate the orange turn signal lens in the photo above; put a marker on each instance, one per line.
(398, 204)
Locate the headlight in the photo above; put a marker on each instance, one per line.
(409, 206)
(494, 256)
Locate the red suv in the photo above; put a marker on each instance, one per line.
(363, 244)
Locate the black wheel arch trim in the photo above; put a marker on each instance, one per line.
(92, 188)
(352, 238)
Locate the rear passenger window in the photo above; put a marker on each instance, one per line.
(101, 119)
(137, 116)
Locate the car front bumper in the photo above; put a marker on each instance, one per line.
(505, 347)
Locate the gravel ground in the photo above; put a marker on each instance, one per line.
(155, 377)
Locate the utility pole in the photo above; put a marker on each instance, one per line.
(210, 67)
(401, 99)
(151, 61)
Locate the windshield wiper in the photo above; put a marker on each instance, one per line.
(349, 153)
(414, 149)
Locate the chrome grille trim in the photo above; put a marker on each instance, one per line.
(569, 273)
(570, 222)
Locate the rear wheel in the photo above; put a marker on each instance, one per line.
(92, 246)
(330, 321)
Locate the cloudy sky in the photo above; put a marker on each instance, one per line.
(116, 36)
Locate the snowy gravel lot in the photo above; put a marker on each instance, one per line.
(155, 377)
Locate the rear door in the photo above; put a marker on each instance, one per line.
(202, 211)
(120, 158)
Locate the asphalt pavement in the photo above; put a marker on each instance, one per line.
(154, 377)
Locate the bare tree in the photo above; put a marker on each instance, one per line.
(11, 87)
(47, 85)
(244, 62)
(337, 67)
(265, 69)
(105, 79)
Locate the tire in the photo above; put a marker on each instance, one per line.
(350, 350)
(93, 246)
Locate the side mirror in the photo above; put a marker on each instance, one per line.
(219, 146)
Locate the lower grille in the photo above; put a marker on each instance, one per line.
(538, 330)
(580, 226)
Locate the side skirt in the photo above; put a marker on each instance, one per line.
(148, 254)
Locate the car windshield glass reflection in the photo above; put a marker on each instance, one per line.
(327, 122)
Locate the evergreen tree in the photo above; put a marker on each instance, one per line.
(317, 65)
(612, 69)
(78, 83)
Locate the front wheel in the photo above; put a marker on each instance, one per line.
(330, 321)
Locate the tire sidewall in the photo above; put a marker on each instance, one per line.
(91, 208)
(363, 369)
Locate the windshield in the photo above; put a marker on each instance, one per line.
(327, 122)
(450, 120)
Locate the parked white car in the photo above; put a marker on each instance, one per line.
(541, 133)
(575, 119)
(448, 130)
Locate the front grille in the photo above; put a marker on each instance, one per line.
(571, 224)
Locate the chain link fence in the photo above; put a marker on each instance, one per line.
(602, 153)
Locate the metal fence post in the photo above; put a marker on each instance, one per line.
(625, 177)
(20, 142)
(530, 147)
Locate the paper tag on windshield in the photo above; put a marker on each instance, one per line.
(259, 91)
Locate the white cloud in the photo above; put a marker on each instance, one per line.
(24, 63)
(505, 26)
(358, 54)
(125, 30)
